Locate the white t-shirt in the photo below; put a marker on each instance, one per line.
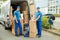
(22, 16)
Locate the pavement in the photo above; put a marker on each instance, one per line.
(7, 35)
(56, 24)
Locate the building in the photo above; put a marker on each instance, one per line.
(54, 6)
(43, 4)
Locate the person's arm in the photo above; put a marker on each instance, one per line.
(15, 17)
(38, 17)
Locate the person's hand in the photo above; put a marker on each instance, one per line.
(34, 20)
(16, 21)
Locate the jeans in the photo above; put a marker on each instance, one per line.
(39, 27)
(18, 25)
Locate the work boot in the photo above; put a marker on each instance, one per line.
(39, 36)
(17, 35)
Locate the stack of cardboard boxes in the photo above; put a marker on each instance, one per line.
(22, 25)
(25, 13)
(13, 28)
(33, 30)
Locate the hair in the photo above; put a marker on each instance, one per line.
(38, 7)
(18, 6)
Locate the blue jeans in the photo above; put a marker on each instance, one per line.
(39, 27)
(18, 25)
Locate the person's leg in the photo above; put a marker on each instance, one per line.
(39, 27)
(16, 28)
(20, 27)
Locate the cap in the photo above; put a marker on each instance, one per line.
(38, 7)
(18, 6)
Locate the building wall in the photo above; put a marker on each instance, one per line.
(53, 6)
(44, 10)
(43, 4)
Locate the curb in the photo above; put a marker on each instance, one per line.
(51, 32)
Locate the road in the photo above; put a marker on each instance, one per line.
(56, 24)
(7, 35)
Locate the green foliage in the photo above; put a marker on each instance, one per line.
(4, 0)
(45, 22)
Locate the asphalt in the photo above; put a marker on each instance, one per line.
(7, 35)
(56, 24)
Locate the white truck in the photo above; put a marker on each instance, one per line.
(4, 11)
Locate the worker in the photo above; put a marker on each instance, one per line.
(38, 16)
(17, 21)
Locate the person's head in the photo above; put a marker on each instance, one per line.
(38, 8)
(18, 7)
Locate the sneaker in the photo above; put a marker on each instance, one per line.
(39, 36)
(17, 35)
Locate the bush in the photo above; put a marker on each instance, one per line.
(4, 0)
(45, 22)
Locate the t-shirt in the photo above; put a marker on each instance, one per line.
(17, 14)
(37, 14)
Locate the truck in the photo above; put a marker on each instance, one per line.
(4, 11)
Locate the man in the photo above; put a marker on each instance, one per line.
(17, 21)
(38, 16)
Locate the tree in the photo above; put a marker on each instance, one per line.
(4, 0)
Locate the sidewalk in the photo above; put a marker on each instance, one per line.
(7, 35)
(53, 31)
(56, 24)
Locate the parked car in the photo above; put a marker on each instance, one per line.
(51, 16)
(48, 21)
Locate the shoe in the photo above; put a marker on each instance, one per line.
(21, 34)
(39, 36)
(17, 35)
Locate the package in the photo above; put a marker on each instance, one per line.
(33, 29)
(32, 34)
(22, 25)
(25, 18)
(32, 9)
(25, 12)
(13, 28)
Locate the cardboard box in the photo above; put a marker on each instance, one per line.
(25, 12)
(33, 28)
(25, 18)
(22, 25)
(32, 35)
(32, 9)
(13, 28)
